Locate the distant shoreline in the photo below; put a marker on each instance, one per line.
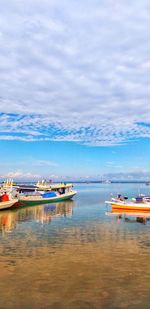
(89, 182)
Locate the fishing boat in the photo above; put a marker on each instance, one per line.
(140, 203)
(57, 193)
(8, 204)
(7, 195)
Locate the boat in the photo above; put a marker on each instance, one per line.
(41, 187)
(9, 187)
(8, 190)
(8, 204)
(140, 203)
(57, 193)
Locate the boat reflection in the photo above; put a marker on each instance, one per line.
(128, 216)
(42, 213)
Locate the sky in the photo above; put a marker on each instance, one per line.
(75, 89)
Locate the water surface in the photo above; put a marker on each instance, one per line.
(74, 255)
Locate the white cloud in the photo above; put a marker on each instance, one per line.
(19, 175)
(75, 71)
(139, 175)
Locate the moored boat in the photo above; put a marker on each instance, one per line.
(42, 199)
(131, 206)
(141, 203)
(57, 193)
(8, 204)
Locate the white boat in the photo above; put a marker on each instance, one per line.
(9, 187)
(141, 203)
(8, 204)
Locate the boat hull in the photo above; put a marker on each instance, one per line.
(23, 201)
(8, 204)
(131, 207)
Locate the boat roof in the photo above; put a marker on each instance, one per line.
(45, 188)
(61, 185)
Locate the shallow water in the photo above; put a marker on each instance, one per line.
(75, 255)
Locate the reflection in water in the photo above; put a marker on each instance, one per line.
(129, 216)
(43, 214)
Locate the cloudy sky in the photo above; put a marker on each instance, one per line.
(74, 88)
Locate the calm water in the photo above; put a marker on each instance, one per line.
(73, 255)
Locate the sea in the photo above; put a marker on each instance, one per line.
(76, 254)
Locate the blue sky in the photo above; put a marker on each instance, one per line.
(74, 89)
